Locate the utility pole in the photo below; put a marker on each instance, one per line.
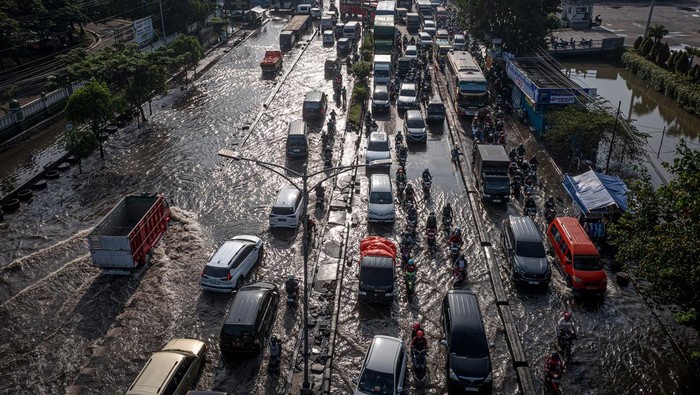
(162, 20)
(661, 143)
(651, 11)
(612, 140)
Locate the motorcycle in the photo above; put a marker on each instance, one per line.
(550, 214)
(409, 201)
(447, 225)
(431, 236)
(566, 342)
(401, 186)
(454, 251)
(410, 281)
(275, 355)
(531, 212)
(405, 253)
(420, 365)
(527, 190)
(458, 276)
(551, 383)
(331, 127)
(402, 160)
(427, 184)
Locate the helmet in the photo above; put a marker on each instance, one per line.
(448, 204)
(551, 198)
(410, 262)
(420, 334)
(426, 170)
(416, 326)
(555, 355)
(410, 268)
(432, 213)
(458, 231)
(290, 277)
(400, 170)
(567, 316)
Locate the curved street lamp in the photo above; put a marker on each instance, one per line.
(279, 170)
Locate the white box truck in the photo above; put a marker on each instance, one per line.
(382, 69)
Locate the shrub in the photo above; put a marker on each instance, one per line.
(360, 92)
(647, 45)
(655, 50)
(689, 317)
(638, 42)
(361, 70)
(663, 55)
(682, 64)
(354, 114)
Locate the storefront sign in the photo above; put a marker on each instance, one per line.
(521, 80)
(143, 30)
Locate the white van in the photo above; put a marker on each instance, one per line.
(382, 69)
(352, 30)
(380, 205)
(287, 209)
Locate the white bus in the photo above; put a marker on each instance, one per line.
(466, 83)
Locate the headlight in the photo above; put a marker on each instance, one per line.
(517, 268)
(363, 293)
(453, 376)
(389, 294)
(487, 195)
(489, 378)
(577, 280)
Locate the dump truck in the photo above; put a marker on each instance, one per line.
(490, 165)
(127, 235)
(272, 62)
(377, 270)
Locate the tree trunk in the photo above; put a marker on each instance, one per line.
(143, 114)
(82, 28)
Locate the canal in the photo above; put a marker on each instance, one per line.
(651, 111)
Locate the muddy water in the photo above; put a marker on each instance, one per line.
(650, 111)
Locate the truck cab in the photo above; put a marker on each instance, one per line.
(491, 170)
(377, 270)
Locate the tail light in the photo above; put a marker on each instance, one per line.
(228, 276)
(202, 273)
(256, 341)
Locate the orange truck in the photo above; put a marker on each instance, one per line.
(272, 62)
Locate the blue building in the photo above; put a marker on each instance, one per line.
(539, 86)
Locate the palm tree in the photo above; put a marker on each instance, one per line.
(657, 32)
(692, 52)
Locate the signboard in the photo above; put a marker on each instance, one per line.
(521, 80)
(143, 30)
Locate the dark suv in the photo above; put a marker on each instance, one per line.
(251, 316)
(522, 243)
(468, 363)
(315, 104)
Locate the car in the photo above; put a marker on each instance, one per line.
(459, 43)
(171, 371)
(435, 110)
(425, 41)
(443, 45)
(524, 248)
(411, 52)
(315, 104)
(286, 211)
(344, 45)
(316, 12)
(384, 367)
(380, 205)
(332, 65)
(408, 96)
(249, 321)
(231, 264)
(467, 359)
(442, 33)
(429, 27)
(328, 38)
(378, 148)
(380, 99)
(414, 126)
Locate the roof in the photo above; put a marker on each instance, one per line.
(287, 195)
(524, 229)
(575, 233)
(226, 252)
(313, 96)
(156, 372)
(492, 152)
(462, 304)
(378, 136)
(246, 304)
(380, 179)
(541, 73)
(383, 353)
(377, 261)
(595, 192)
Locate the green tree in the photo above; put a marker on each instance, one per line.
(149, 80)
(186, 52)
(646, 46)
(658, 235)
(657, 32)
(92, 105)
(692, 52)
(185, 12)
(655, 50)
(663, 54)
(672, 59)
(80, 142)
(682, 65)
(638, 42)
(361, 70)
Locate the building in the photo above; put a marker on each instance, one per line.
(577, 12)
(539, 86)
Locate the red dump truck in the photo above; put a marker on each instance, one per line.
(127, 235)
(272, 62)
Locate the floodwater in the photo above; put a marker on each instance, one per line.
(650, 111)
(63, 318)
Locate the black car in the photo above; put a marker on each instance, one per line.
(250, 319)
(468, 362)
(315, 104)
(523, 245)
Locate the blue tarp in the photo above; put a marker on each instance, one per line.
(596, 192)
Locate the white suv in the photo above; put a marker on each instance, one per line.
(231, 264)
(377, 148)
(287, 209)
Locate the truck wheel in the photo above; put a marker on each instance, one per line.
(24, 195)
(41, 184)
(569, 283)
(52, 174)
(63, 166)
(10, 205)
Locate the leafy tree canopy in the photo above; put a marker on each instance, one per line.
(92, 105)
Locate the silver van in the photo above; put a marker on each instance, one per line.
(524, 247)
(384, 367)
(380, 205)
(286, 211)
(297, 139)
(352, 30)
(414, 126)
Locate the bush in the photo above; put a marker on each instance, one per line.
(682, 64)
(360, 92)
(655, 50)
(638, 42)
(366, 54)
(689, 317)
(663, 55)
(647, 45)
(361, 70)
(354, 114)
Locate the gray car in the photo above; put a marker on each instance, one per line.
(384, 368)
(408, 96)
(414, 126)
(523, 245)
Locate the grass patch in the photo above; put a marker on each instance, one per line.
(688, 317)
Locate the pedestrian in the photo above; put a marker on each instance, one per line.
(343, 94)
(572, 42)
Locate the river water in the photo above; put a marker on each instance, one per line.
(62, 317)
(650, 111)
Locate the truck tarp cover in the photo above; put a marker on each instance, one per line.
(493, 156)
(596, 192)
(377, 246)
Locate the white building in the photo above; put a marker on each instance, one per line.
(578, 12)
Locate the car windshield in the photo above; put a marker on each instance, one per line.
(215, 271)
(377, 276)
(437, 107)
(469, 345)
(415, 123)
(381, 96)
(411, 52)
(282, 210)
(378, 146)
(407, 92)
(532, 250)
(380, 198)
(376, 382)
(587, 263)
(381, 73)
(498, 182)
(312, 105)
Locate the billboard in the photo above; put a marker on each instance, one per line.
(143, 30)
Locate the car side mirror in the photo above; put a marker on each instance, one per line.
(354, 380)
(550, 252)
(443, 342)
(399, 389)
(510, 251)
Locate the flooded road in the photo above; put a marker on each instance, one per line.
(65, 321)
(650, 111)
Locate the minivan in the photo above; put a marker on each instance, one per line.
(332, 65)
(377, 269)
(304, 9)
(287, 209)
(577, 257)
(352, 30)
(414, 126)
(380, 207)
(343, 46)
(327, 24)
(468, 362)
(380, 99)
(384, 367)
(524, 249)
(250, 318)
(436, 110)
(315, 104)
(231, 264)
(425, 41)
(297, 139)
(459, 42)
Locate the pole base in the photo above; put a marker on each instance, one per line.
(306, 391)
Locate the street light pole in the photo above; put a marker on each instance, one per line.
(651, 11)
(304, 178)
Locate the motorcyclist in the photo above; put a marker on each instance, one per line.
(461, 262)
(512, 154)
(406, 239)
(426, 175)
(529, 180)
(447, 212)
(412, 215)
(566, 326)
(333, 115)
(456, 237)
(521, 150)
(553, 364)
(310, 226)
(525, 167)
(400, 176)
(410, 274)
(432, 221)
(530, 205)
(409, 190)
(533, 161)
(403, 152)
(399, 137)
(419, 343)
(416, 327)
(328, 151)
(291, 285)
(549, 204)
(456, 153)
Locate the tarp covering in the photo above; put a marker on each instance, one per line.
(377, 246)
(596, 192)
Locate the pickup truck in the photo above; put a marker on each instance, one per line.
(272, 62)
(490, 164)
(377, 270)
(127, 235)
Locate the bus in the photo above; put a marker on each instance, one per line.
(386, 8)
(466, 83)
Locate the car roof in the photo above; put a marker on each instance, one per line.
(154, 375)
(524, 229)
(226, 252)
(184, 346)
(377, 261)
(383, 353)
(286, 196)
(464, 305)
(423, 34)
(413, 47)
(381, 88)
(246, 303)
(459, 36)
(313, 96)
(413, 114)
(408, 85)
(378, 136)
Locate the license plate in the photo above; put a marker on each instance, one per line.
(533, 282)
(592, 287)
(471, 389)
(496, 200)
(282, 219)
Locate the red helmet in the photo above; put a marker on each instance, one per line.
(411, 268)
(416, 326)
(420, 334)
(567, 316)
